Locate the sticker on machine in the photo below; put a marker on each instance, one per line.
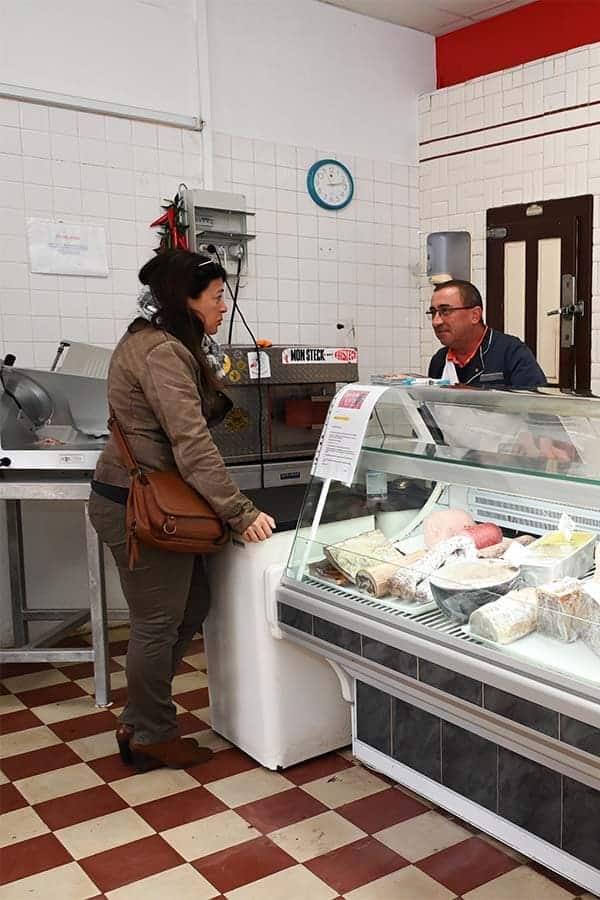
(259, 365)
(292, 356)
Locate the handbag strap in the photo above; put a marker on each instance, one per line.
(122, 443)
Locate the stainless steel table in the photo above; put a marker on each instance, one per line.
(16, 489)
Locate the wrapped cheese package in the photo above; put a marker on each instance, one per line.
(589, 628)
(507, 619)
(597, 562)
(444, 524)
(361, 552)
(559, 609)
(410, 582)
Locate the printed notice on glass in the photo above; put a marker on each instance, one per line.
(344, 432)
(63, 248)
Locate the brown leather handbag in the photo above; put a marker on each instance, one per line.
(164, 511)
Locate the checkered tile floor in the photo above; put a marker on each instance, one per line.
(77, 824)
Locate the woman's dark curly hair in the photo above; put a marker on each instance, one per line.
(173, 276)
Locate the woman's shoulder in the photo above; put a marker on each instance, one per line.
(142, 338)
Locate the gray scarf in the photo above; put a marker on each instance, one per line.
(214, 355)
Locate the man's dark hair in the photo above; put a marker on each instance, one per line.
(469, 294)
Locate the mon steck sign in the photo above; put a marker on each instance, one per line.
(301, 355)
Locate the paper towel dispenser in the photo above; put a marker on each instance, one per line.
(448, 256)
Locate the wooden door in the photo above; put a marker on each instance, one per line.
(539, 283)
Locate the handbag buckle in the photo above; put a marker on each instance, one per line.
(170, 526)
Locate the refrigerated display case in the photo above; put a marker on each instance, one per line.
(459, 599)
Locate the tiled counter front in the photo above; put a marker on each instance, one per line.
(539, 800)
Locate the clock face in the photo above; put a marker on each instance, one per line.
(330, 184)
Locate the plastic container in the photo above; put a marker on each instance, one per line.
(553, 557)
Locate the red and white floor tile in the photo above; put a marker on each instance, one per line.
(76, 823)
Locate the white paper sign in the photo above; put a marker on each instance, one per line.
(60, 248)
(344, 432)
(264, 371)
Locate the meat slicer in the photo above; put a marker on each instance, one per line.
(51, 420)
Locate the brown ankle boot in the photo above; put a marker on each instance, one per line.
(124, 736)
(178, 753)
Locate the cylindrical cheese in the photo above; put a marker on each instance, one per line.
(504, 620)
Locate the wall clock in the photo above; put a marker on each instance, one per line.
(330, 184)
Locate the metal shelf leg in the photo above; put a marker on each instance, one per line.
(14, 528)
(97, 591)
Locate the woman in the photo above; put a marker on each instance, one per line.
(164, 390)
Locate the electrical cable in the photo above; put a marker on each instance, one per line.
(235, 308)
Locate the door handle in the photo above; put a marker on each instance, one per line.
(570, 310)
(567, 312)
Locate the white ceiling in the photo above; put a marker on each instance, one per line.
(432, 16)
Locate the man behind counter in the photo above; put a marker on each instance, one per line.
(473, 353)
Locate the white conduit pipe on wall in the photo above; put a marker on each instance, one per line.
(85, 104)
(204, 98)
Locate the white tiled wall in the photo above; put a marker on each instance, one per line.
(64, 165)
(310, 270)
(456, 191)
(58, 164)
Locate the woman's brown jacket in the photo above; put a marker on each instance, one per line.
(153, 388)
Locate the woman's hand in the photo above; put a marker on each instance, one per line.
(261, 529)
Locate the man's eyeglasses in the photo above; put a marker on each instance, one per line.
(444, 311)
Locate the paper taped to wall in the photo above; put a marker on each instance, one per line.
(61, 248)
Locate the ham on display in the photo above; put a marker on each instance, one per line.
(484, 535)
(444, 524)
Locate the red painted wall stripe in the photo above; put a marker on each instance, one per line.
(530, 32)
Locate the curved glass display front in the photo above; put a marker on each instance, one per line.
(471, 513)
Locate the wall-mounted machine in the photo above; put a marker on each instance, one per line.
(220, 220)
